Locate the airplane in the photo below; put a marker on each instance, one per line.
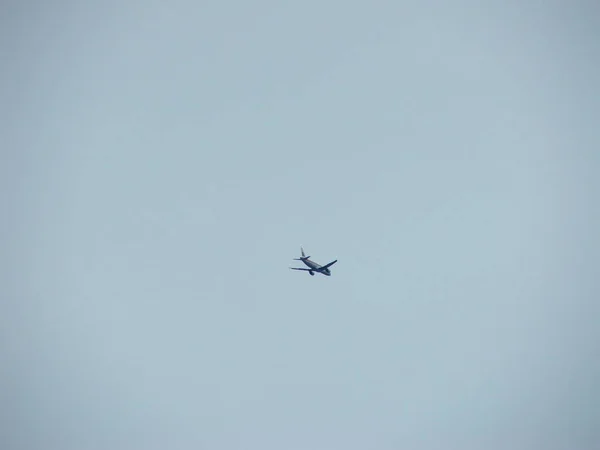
(313, 266)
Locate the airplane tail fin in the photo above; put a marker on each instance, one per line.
(303, 255)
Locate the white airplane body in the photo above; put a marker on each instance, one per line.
(313, 266)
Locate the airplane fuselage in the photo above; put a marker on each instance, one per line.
(316, 267)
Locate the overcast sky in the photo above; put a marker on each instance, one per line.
(163, 162)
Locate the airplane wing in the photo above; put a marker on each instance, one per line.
(328, 265)
(298, 268)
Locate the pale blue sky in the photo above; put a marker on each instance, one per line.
(163, 162)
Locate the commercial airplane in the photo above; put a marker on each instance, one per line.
(313, 266)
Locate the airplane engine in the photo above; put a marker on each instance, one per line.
(311, 273)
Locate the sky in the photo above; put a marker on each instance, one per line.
(163, 162)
